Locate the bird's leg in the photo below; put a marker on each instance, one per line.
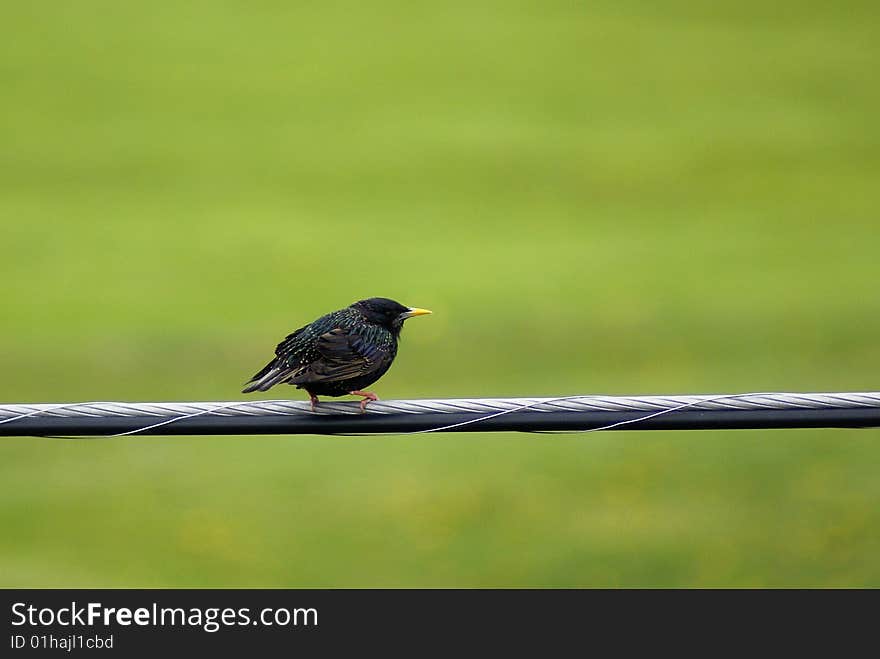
(314, 400)
(367, 397)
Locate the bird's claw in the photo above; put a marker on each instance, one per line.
(367, 397)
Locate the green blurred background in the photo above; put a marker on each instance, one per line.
(608, 197)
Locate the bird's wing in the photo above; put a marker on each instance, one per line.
(290, 343)
(288, 360)
(343, 355)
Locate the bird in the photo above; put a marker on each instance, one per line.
(340, 353)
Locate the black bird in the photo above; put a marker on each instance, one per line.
(340, 353)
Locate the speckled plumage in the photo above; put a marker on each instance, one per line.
(339, 353)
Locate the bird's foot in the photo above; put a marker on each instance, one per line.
(367, 397)
(314, 401)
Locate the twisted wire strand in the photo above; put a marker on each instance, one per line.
(10, 413)
(487, 408)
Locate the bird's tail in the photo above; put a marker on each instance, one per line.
(269, 376)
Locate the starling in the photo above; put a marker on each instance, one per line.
(340, 353)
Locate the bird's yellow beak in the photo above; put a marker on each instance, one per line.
(416, 312)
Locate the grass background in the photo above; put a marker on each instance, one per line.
(605, 197)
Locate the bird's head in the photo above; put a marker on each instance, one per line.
(387, 313)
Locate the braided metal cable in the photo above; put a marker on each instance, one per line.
(585, 403)
(566, 413)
